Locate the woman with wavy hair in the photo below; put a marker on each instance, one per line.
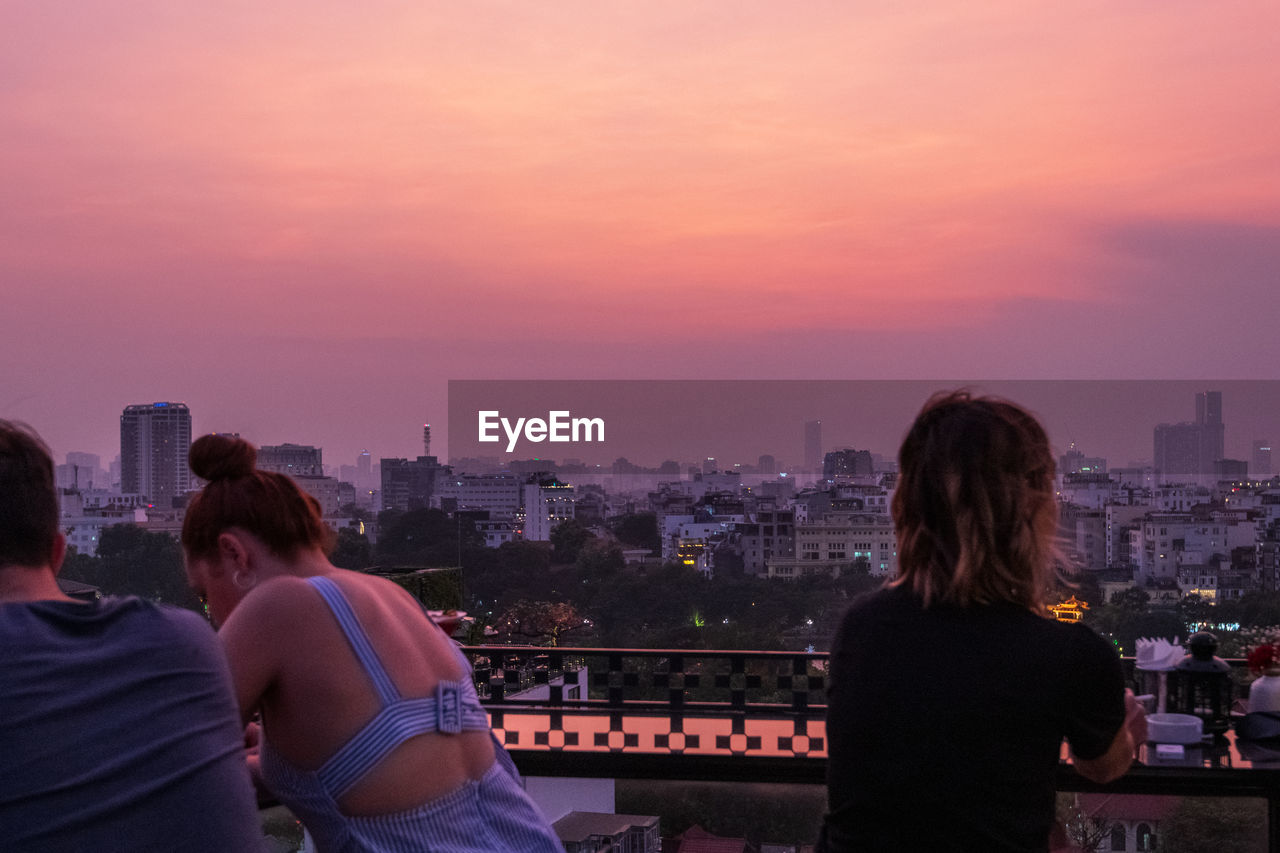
(951, 689)
(371, 729)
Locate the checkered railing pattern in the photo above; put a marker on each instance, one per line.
(659, 702)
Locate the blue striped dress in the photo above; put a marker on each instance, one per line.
(487, 815)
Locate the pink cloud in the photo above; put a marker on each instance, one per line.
(667, 183)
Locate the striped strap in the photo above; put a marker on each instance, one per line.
(357, 637)
(448, 712)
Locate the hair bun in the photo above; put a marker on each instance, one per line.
(222, 457)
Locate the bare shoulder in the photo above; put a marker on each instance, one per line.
(383, 589)
(273, 610)
(286, 595)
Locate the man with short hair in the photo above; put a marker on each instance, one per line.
(118, 730)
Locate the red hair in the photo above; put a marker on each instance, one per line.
(266, 504)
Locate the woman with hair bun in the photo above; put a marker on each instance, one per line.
(951, 691)
(372, 732)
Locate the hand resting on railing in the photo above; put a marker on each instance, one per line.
(1116, 761)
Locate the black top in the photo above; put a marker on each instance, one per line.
(945, 725)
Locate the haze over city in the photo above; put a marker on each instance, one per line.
(303, 221)
(749, 238)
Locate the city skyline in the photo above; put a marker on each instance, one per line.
(737, 421)
(304, 222)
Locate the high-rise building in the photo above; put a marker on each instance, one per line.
(366, 478)
(1075, 462)
(296, 460)
(410, 483)
(498, 495)
(361, 477)
(1178, 449)
(813, 446)
(154, 441)
(1209, 417)
(1209, 407)
(82, 471)
(1191, 449)
(847, 463)
(547, 503)
(1231, 469)
(1260, 465)
(304, 463)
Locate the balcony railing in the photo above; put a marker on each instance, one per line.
(748, 716)
(635, 707)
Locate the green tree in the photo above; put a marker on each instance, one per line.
(1134, 599)
(1195, 610)
(422, 537)
(600, 560)
(540, 622)
(856, 581)
(654, 610)
(599, 564)
(1081, 585)
(80, 567)
(759, 812)
(1087, 832)
(1126, 626)
(568, 539)
(133, 561)
(352, 550)
(638, 530)
(1215, 825)
(355, 511)
(495, 578)
(1258, 609)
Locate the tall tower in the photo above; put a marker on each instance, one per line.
(154, 441)
(1209, 417)
(426, 439)
(1260, 465)
(1192, 449)
(364, 471)
(813, 446)
(1209, 407)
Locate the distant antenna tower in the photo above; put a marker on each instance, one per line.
(426, 439)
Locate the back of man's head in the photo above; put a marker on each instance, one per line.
(28, 498)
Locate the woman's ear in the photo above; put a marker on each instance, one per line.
(234, 551)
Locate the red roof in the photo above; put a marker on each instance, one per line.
(1128, 806)
(695, 839)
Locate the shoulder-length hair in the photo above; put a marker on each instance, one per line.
(974, 508)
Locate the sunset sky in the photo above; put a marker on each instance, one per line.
(302, 219)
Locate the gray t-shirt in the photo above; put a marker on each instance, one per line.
(119, 732)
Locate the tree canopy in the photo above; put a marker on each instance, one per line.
(134, 561)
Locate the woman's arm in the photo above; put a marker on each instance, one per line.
(1115, 762)
(255, 637)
